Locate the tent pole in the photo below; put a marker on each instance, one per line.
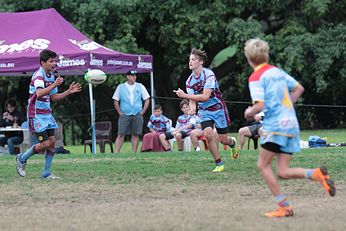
(92, 112)
(152, 91)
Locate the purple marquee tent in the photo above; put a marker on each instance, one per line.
(24, 34)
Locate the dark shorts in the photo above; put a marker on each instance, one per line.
(254, 129)
(43, 136)
(130, 124)
(210, 123)
(273, 147)
(170, 136)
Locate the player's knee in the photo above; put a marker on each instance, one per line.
(241, 131)
(178, 136)
(282, 174)
(223, 141)
(261, 166)
(209, 136)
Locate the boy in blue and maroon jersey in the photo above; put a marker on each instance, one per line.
(158, 124)
(203, 87)
(42, 90)
(187, 125)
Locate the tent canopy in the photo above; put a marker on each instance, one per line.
(24, 35)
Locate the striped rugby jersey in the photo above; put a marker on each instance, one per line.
(40, 106)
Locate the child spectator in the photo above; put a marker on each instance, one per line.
(157, 124)
(187, 125)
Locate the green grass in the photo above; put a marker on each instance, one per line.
(140, 191)
(126, 167)
(187, 168)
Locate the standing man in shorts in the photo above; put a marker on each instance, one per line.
(203, 87)
(128, 99)
(273, 91)
(42, 90)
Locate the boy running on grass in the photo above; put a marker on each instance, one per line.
(274, 91)
(43, 89)
(203, 87)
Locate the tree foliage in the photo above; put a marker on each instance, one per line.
(307, 39)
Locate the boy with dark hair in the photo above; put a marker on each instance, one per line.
(187, 125)
(203, 87)
(157, 124)
(11, 117)
(42, 90)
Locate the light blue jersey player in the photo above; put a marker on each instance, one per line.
(273, 86)
(202, 87)
(273, 91)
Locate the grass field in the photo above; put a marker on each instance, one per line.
(167, 191)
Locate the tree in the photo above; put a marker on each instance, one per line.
(307, 39)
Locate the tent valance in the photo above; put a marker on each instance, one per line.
(24, 34)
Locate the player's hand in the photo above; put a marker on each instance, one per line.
(180, 93)
(75, 87)
(59, 81)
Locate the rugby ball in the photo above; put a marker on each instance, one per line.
(95, 76)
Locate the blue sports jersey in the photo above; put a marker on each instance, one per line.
(39, 108)
(159, 123)
(214, 108)
(195, 85)
(272, 86)
(185, 119)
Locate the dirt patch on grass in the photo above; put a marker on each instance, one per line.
(166, 206)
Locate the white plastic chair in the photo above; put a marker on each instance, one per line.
(187, 144)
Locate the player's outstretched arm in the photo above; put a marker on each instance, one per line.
(199, 97)
(74, 88)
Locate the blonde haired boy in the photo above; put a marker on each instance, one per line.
(273, 91)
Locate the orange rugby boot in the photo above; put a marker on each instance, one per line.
(280, 212)
(321, 174)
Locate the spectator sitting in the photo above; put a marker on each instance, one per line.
(157, 124)
(11, 117)
(187, 125)
(252, 130)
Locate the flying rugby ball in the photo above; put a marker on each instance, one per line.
(95, 76)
